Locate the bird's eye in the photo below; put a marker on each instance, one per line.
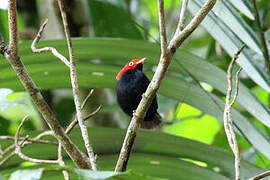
(131, 64)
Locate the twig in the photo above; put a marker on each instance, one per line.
(180, 26)
(75, 89)
(23, 156)
(45, 49)
(23, 142)
(265, 48)
(75, 121)
(7, 158)
(61, 162)
(87, 98)
(29, 140)
(260, 176)
(162, 27)
(11, 55)
(178, 39)
(155, 83)
(227, 116)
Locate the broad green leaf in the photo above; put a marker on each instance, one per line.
(111, 175)
(194, 126)
(213, 105)
(231, 44)
(33, 174)
(20, 103)
(155, 154)
(226, 13)
(4, 24)
(244, 7)
(49, 73)
(112, 21)
(2, 177)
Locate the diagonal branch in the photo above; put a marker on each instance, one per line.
(155, 83)
(260, 176)
(180, 26)
(11, 55)
(75, 88)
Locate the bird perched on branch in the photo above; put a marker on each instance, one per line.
(131, 85)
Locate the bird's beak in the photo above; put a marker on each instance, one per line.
(141, 61)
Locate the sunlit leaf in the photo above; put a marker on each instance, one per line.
(33, 174)
(231, 44)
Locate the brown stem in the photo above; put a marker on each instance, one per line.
(75, 89)
(12, 56)
(155, 83)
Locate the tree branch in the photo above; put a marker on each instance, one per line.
(227, 115)
(75, 89)
(162, 27)
(260, 176)
(23, 156)
(13, 31)
(11, 55)
(155, 83)
(45, 49)
(180, 26)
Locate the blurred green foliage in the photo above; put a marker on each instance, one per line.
(215, 41)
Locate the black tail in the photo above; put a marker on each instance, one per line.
(155, 123)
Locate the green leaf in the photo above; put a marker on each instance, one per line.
(2, 177)
(244, 7)
(33, 174)
(50, 73)
(155, 154)
(110, 175)
(231, 44)
(19, 102)
(194, 126)
(4, 24)
(112, 21)
(226, 13)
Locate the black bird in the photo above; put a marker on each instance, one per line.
(132, 83)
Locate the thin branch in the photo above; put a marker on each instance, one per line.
(162, 27)
(260, 176)
(46, 49)
(178, 38)
(75, 89)
(7, 158)
(30, 140)
(11, 55)
(181, 24)
(61, 161)
(13, 31)
(155, 83)
(25, 141)
(263, 40)
(75, 121)
(227, 115)
(23, 156)
(87, 98)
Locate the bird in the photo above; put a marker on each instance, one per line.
(131, 84)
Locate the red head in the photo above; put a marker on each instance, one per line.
(131, 65)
